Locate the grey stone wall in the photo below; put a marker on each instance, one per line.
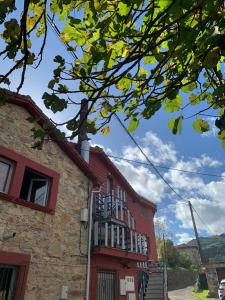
(58, 253)
(178, 279)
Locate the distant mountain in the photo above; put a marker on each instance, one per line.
(212, 246)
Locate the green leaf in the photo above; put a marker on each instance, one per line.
(194, 99)
(124, 84)
(123, 8)
(54, 103)
(149, 60)
(189, 87)
(38, 133)
(59, 59)
(200, 125)
(173, 105)
(176, 125)
(133, 124)
(51, 84)
(105, 130)
(212, 58)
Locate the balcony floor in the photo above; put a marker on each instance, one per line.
(114, 252)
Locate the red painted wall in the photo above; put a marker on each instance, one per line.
(122, 270)
(143, 214)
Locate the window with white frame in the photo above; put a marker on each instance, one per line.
(6, 168)
(35, 187)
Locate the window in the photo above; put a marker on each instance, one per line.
(26, 182)
(6, 167)
(8, 276)
(13, 275)
(35, 187)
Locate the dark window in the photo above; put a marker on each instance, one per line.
(35, 187)
(6, 167)
(8, 275)
(106, 285)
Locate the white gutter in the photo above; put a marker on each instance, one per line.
(89, 245)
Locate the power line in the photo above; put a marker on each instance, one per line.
(167, 168)
(203, 222)
(67, 46)
(72, 53)
(149, 161)
(160, 166)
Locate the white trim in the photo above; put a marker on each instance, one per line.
(9, 174)
(46, 191)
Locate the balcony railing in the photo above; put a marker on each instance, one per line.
(114, 225)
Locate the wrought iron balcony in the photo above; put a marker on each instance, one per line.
(114, 225)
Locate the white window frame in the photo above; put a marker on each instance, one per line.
(46, 192)
(9, 175)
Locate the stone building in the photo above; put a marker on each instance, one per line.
(191, 250)
(43, 244)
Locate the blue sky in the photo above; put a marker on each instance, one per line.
(188, 151)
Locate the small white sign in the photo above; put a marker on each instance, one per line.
(129, 283)
(122, 287)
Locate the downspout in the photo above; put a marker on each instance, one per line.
(89, 244)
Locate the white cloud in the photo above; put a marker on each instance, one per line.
(209, 217)
(213, 129)
(154, 148)
(183, 237)
(142, 180)
(205, 193)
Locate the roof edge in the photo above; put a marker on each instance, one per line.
(99, 151)
(27, 103)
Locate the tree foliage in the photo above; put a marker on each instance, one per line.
(133, 56)
(168, 253)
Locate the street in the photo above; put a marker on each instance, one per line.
(184, 294)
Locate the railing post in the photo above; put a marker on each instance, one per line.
(106, 234)
(112, 235)
(96, 233)
(105, 201)
(121, 205)
(131, 241)
(128, 217)
(136, 242)
(123, 238)
(117, 213)
(117, 235)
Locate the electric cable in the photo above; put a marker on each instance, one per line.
(67, 46)
(149, 161)
(203, 222)
(160, 166)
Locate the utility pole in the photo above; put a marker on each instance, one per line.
(164, 250)
(196, 234)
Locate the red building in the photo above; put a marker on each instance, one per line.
(123, 238)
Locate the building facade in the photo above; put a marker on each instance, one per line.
(123, 238)
(192, 251)
(43, 244)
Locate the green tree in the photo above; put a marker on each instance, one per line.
(168, 253)
(133, 56)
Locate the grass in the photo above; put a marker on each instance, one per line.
(202, 295)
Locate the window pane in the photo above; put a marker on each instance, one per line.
(4, 175)
(35, 187)
(7, 281)
(38, 191)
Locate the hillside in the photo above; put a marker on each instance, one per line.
(213, 246)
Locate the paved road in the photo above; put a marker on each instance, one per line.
(184, 294)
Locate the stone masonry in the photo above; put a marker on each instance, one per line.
(57, 243)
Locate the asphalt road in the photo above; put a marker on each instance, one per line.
(184, 294)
